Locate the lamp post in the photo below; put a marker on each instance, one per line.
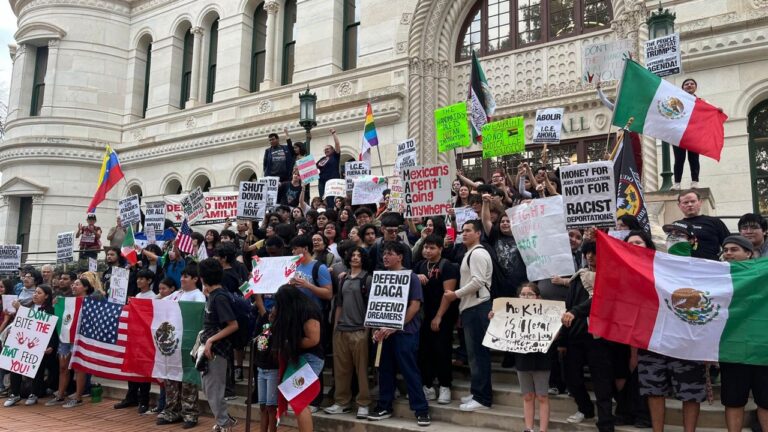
(662, 23)
(307, 105)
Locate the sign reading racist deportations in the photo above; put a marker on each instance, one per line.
(589, 194)
(523, 325)
(426, 191)
(388, 301)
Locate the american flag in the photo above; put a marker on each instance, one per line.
(184, 239)
(99, 347)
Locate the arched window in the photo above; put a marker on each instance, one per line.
(758, 156)
(173, 188)
(203, 182)
(351, 27)
(502, 25)
(289, 41)
(258, 47)
(213, 42)
(186, 68)
(147, 67)
(38, 85)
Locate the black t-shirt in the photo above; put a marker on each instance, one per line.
(433, 291)
(710, 233)
(317, 350)
(288, 194)
(279, 161)
(532, 362)
(265, 356)
(232, 281)
(218, 312)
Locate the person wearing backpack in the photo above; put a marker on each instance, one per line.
(475, 302)
(226, 253)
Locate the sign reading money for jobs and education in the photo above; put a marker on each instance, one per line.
(308, 169)
(503, 137)
(549, 123)
(129, 210)
(426, 191)
(194, 205)
(589, 194)
(10, 258)
(451, 127)
(662, 55)
(604, 61)
(388, 299)
(23, 350)
(65, 245)
(523, 325)
(406, 155)
(249, 197)
(354, 170)
(154, 216)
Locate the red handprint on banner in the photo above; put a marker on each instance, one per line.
(32, 343)
(256, 276)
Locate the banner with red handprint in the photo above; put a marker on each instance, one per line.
(27, 341)
(269, 274)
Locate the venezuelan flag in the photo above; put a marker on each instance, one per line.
(110, 174)
(370, 139)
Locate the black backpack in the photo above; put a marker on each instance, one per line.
(246, 320)
(500, 286)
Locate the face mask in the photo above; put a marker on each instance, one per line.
(679, 246)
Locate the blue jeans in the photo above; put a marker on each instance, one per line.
(267, 385)
(401, 349)
(475, 322)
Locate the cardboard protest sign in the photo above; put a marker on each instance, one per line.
(129, 210)
(27, 340)
(249, 197)
(271, 184)
(604, 61)
(270, 273)
(662, 55)
(539, 230)
(406, 155)
(8, 300)
(354, 170)
(503, 137)
(464, 214)
(219, 206)
(118, 285)
(396, 188)
(335, 188)
(523, 325)
(194, 205)
(426, 190)
(452, 127)
(549, 123)
(93, 265)
(589, 194)
(368, 190)
(65, 245)
(308, 169)
(10, 258)
(388, 299)
(154, 215)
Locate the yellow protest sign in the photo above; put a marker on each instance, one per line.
(503, 137)
(451, 127)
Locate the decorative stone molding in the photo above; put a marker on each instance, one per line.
(6, 200)
(401, 47)
(104, 5)
(53, 44)
(265, 106)
(191, 122)
(405, 19)
(57, 152)
(147, 5)
(344, 89)
(21, 49)
(138, 134)
(197, 31)
(38, 199)
(272, 6)
(759, 3)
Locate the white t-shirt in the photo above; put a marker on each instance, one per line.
(149, 294)
(195, 296)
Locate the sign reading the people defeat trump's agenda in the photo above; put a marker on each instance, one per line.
(388, 300)
(662, 55)
(65, 243)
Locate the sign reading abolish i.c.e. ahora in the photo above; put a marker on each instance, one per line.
(388, 301)
(426, 191)
(23, 350)
(523, 325)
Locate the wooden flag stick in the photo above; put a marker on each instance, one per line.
(619, 138)
(381, 165)
(378, 353)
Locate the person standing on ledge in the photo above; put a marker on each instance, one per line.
(689, 86)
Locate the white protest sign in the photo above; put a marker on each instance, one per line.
(8, 300)
(354, 170)
(250, 197)
(589, 194)
(539, 230)
(308, 169)
(65, 245)
(194, 205)
(150, 233)
(368, 190)
(219, 206)
(271, 273)
(10, 258)
(396, 202)
(154, 216)
(118, 285)
(523, 325)
(549, 123)
(269, 188)
(388, 300)
(604, 61)
(464, 214)
(406, 155)
(27, 340)
(93, 265)
(129, 210)
(426, 191)
(335, 188)
(662, 55)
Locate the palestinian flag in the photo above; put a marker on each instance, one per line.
(664, 111)
(68, 311)
(479, 100)
(298, 387)
(161, 334)
(127, 250)
(682, 307)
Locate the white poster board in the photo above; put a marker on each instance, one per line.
(118, 285)
(388, 299)
(271, 273)
(523, 325)
(65, 246)
(589, 194)
(464, 214)
(219, 207)
(662, 55)
(129, 210)
(93, 265)
(8, 300)
(250, 197)
(27, 341)
(10, 258)
(406, 155)
(368, 190)
(426, 190)
(549, 124)
(604, 61)
(154, 216)
(194, 205)
(396, 202)
(354, 170)
(335, 188)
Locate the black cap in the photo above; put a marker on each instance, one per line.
(679, 226)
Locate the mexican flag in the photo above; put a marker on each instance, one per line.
(161, 334)
(664, 111)
(299, 386)
(68, 311)
(127, 250)
(480, 100)
(682, 307)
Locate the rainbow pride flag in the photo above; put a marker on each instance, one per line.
(370, 139)
(110, 174)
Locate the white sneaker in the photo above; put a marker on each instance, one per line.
(337, 409)
(313, 409)
(472, 405)
(675, 186)
(445, 396)
(12, 400)
(467, 398)
(31, 400)
(578, 417)
(429, 393)
(694, 185)
(362, 412)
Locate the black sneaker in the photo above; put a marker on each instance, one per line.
(189, 424)
(125, 404)
(380, 414)
(423, 419)
(163, 421)
(143, 409)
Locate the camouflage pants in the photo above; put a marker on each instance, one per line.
(180, 402)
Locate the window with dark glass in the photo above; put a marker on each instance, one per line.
(289, 41)
(145, 102)
(528, 21)
(38, 83)
(213, 42)
(471, 40)
(351, 27)
(186, 69)
(757, 127)
(258, 47)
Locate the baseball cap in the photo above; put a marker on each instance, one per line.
(679, 226)
(739, 240)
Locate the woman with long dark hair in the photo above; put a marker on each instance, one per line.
(212, 239)
(320, 250)
(346, 221)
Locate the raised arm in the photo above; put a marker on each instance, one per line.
(466, 181)
(485, 214)
(336, 142)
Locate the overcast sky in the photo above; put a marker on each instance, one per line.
(7, 29)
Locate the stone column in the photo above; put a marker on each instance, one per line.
(50, 78)
(21, 83)
(233, 63)
(272, 7)
(197, 52)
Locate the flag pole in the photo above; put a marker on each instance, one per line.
(616, 104)
(620, 137)
(381, 165)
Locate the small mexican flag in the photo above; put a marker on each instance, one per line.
(664, 111)
(161, 334)
(68, 311)
(299, 386)
(682, 307)
(127, 250)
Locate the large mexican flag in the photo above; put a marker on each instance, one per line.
(683, 307)
(664, 111)
(68, 311)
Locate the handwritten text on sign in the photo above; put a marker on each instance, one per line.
(27, 340)
(451, 127)
(194, 205)
(129, 210)
(368, 190)
(118, 285)
(65, 243)
(426, 191)
(270, 273)
(523, 325)
(589, 194)
(604, 61)
(503, 137)
(388, 300)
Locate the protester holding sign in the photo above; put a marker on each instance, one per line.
(90, 237)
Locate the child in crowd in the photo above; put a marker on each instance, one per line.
(267, 373)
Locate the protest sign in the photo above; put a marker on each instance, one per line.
(388, 299)
(219, 206)
(308, 169)
(27, 341)
(452, 127)
(65, 245)
(93, 265)
(335, 188)
(662, 55)
(118, 285)
(8, 300)
(589, 194)
(549, 123)
(194, 205)
(396, 201)
(249, 197)
(154, 216)
(523, 325)
(503, 137)
(271, 184)
(406, 155)
(129, 210)
(464, 214)
(149, 232)
(354, 170)
(604, 61)
(426, 191)
(539, 230)
(270, 273)
(10, 258)
(368, 190)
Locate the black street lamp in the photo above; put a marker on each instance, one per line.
(307, 105)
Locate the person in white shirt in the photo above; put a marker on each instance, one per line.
(144, 283)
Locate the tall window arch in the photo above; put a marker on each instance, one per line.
(213, 45)
(258, 47)
(351, 31)
(186, 68)
(289, 41)
(502, 25)
(38, 85)
(757, 127)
